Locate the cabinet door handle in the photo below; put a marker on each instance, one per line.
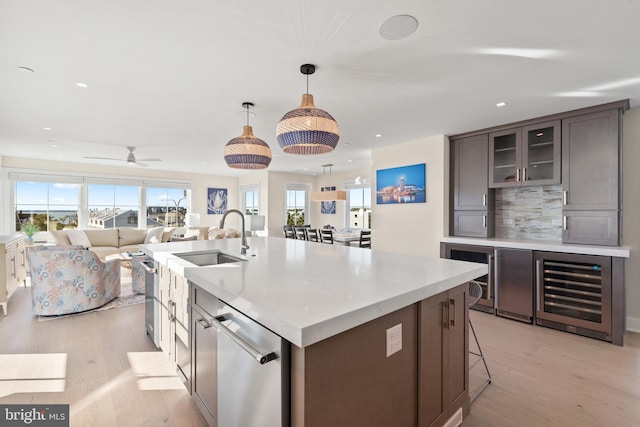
(203, 323)
(518, 174)
(169, 310)
(13, 263)
(452, 312)
(524, 174)
(484, 200)
(539, 273)
(565, 223)
(445, 314)
(256, 354)
(484, 221)
(564, 197)
(496, 280)
(490, 278)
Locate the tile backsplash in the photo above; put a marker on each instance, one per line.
(533, 213)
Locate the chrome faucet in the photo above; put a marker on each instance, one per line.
(243, 246)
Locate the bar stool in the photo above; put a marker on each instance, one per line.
(475, 293)
(365, 239)
(288, 232)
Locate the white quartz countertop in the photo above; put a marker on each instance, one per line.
(543, 245)
(306, 291)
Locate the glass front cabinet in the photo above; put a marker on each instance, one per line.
(527, 155)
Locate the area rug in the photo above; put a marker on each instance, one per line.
(126, 298)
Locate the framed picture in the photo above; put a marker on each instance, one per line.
(216, 201)
(328, 207)
(406, 184)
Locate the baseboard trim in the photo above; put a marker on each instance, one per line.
(455, 420)
(633, 324)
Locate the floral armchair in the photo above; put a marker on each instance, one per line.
(68, 279)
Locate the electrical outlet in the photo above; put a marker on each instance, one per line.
(394, 339)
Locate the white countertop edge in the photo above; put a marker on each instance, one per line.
(307, 335)
(543, 245)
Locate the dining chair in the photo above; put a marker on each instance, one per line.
(312, 235)
(288, 232)
(365, 239)
(326, 235)
(300, 233)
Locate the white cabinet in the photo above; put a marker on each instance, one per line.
(13, 266)
(174, 319)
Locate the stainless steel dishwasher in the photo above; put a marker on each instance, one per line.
(253, 372)
(144, 269)
(240, 369)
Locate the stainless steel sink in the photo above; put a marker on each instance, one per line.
(204, 258)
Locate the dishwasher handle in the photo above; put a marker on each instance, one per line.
(148, 266)
(260, 357)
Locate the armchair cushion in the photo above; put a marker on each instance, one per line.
(154, 235)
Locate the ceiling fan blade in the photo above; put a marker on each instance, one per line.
(151, 160)
(102, 158)
(144, 165)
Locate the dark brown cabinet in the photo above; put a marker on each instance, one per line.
(527, 155)
(473, 202)
(582, 294)
(591, 178)
(443, 342)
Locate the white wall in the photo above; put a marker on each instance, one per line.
(631, 214)
(199, 184)
(414, 228)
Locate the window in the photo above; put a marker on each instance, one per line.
(358, 206)
(251, 198)
(167, 207)
(50, 206)
(297, 204)
(112, 206)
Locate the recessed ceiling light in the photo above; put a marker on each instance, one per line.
(379, 135)
(54, 145)
(31, 70)
(349, 160)
(501, 104)
(398, 27)
(81, 84)
(46, 128)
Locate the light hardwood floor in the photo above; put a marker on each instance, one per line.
(104, 364)
(107, 369)
(542, 377)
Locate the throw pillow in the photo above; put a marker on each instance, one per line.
(78, 238)
(154, 235)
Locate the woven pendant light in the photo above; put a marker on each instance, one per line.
(246, 151)
(307, 129)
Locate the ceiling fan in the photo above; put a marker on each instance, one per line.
(130, 160)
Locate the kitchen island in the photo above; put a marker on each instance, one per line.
(370, 338)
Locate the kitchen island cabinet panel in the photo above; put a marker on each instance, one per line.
(353, 367)
(444, 357)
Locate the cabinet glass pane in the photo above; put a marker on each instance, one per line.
(504, 158)
(540, 148)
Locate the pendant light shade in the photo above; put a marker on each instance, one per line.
(307, 129)
(246, 151)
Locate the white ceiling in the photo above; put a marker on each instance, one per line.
(169, 77)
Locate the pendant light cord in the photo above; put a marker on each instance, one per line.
(247, 115)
